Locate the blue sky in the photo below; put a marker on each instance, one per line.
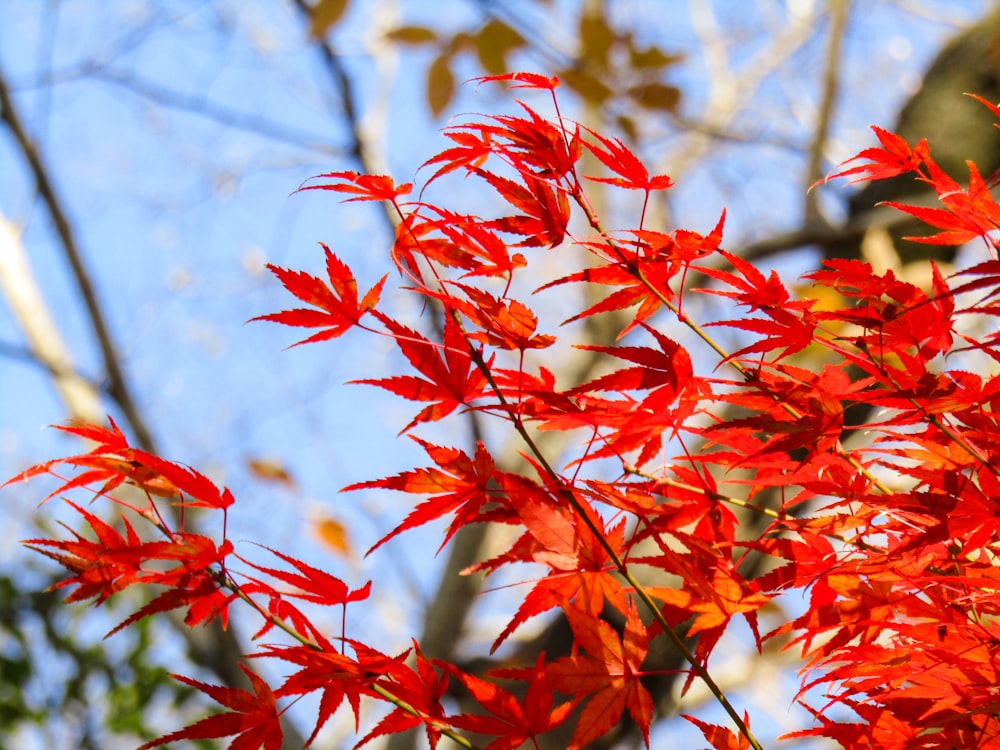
(176, 213)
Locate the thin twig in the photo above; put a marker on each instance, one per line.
(839, 12)
(118, 387)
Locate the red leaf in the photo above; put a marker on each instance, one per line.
(510, 721)
(336, 675)
(365, 187)
(338, 302)
(580, 568)
(608, 673)
(255, 717)
(546, 209)
(616, 157)
(523, 80)
(894, 158)
(100, 568)
(668, 369)
(460, 484)
(503, 323)
(722, 738)
(316, 586)
(422, 690)
(452, 378)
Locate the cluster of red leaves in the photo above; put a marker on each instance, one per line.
(895, 540)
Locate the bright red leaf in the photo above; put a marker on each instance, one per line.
(254, 718)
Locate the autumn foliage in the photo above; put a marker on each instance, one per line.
(894, 538)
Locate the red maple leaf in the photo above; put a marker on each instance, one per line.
(546, 209)
(511, 721)
(967, 213)
(254, 718)
(579, 566)
(451, 377)
(894, 158)
(339, 309)
(608, 673)
(311, 585)
(114, 462)
(459, 484)
(422, 690)
(314, 585)
(365, 187)
(113, 563)
(337, 676)
(503, 323)
(99, 571)
(722, 738)
(523, 80)
(620, 160)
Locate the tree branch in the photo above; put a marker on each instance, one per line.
(212, 648)
(118, 387)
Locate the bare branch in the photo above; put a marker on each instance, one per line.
(118, 387)
(213, 648)
(839, 12)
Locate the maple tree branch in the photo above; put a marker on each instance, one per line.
(46, 347)
(448, 610)
(215, 649)
(228, 582)
(118, 387)
(619, 564)
(839, 13)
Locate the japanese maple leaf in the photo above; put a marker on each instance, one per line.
(315, 585)
(608, 673)
(504, 323)
(523, 80)
(668, 368)
(537, 147)
(199, 591)
(311, 584)
(450, 380)
(364, 187)
(616, 157)
(722, 738)
(895, 157)
(546, 209)
(968, 214)
(422, 690)
(254, 718)
(631, 290)
(474, 146)
(336, 675)
(465, 244)
(98, 572)
(788, 323)
(580, 568)
(112, 462)
(114, 562)
(459, 484)
(714, 600)
(512, 721)
(339, 308)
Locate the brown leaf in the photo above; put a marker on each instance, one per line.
(333, 534)
(324, 15)
(440, 84)
(270, 470)
(412, 35)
